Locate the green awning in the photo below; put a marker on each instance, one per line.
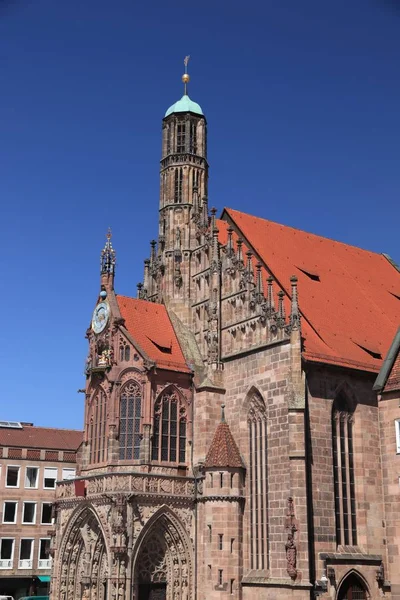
(44, 578)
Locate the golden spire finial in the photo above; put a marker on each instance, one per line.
(185, 76)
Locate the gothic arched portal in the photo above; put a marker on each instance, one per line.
(163, 565)
(84, 565)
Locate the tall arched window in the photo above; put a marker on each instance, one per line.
(257, 424)
(169, 433)
(97, 432)
(178, 185)
(129, 421)
(343, 470)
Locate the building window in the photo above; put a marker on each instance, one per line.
(220, 576)
(46, 514)
(209, 533)
(397, 426)
(343, 469)
(181, 129)
(232, 544)
(25, 554)
(124, 352)
(168, 139)
(10, 512)
(178, 185)
(12, 476)
(169, 434)
(68, 474)
(221, 480)
(44, 559)
(97, 431)
(220, 541)
(193, 137)
(258, 492)
(31, 477)
(232, 584)
(50, 478)
(6, 553)
(129, 421)
(29, 513)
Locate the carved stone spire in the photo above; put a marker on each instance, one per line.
(281, 309)
(294, 312)
(107, 263)
(239, 254)
(107, 256)
(270, 297)
(146, 279)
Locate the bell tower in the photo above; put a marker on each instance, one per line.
(183, 203)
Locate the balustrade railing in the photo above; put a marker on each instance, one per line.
(138, 483)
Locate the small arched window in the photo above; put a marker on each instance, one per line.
(129, 421)
(97, 430)
(343, 472)
(257, 424)
(169, 434)
(124, 352)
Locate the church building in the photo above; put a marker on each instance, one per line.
(233, 445)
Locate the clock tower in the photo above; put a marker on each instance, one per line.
(183, 204)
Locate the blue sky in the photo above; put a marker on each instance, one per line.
(302, 101)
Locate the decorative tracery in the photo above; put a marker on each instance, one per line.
(257, 426)
(129, 421)
(169, 434)
(165, 558)
(83, 565)
(97, 428)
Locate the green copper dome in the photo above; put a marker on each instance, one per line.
(185, 104)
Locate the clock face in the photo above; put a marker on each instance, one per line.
(100, 317)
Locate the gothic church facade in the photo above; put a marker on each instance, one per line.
(231, 440)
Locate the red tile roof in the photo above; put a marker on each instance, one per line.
(393, 382)
(223, 451)
(350, 311)
(150, 327)
(41, 437)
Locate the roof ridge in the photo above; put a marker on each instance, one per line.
(141, 300)
(317, 235)
(51, 428)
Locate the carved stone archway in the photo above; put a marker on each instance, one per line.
(353, 587)
(84, 571)
(163, 567)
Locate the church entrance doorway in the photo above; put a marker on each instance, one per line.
(152, 591)
(162, 569)
(352, 589)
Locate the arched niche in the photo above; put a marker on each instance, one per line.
(163, 560)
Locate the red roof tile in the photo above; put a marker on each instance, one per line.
(393, 382)
(41, 437)
(150, 327)
(351, 311)
(223, 451)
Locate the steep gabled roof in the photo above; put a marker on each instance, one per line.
(388, 379)
(223, 451)
(150, 327)
(47, 438)
(349, 298)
